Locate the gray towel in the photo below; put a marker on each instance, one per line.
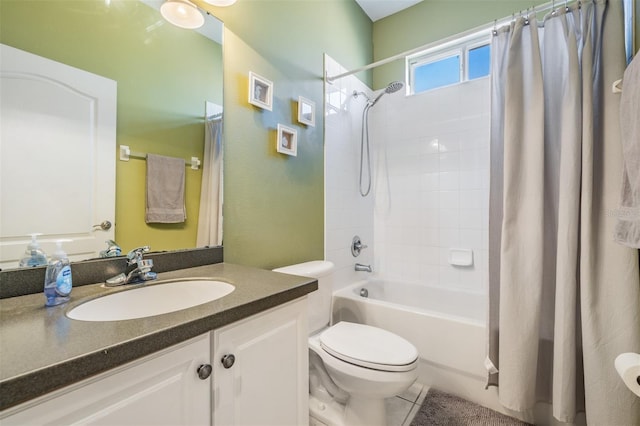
(627, 231)
(165, 189)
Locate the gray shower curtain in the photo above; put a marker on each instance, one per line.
(564, 298)
(210, 214)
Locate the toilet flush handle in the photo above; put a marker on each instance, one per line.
(228, 360)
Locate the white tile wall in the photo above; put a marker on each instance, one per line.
(431, 182)
(437, 165)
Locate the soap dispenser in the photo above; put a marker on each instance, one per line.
(57, 280)
(33, 255)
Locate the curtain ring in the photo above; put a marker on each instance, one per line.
(495, 28)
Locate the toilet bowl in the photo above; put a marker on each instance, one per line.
(353, 367)
(369, 364)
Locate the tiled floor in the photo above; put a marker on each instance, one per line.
(402, 408)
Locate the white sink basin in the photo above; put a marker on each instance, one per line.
(150, 300)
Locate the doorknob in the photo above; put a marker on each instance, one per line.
(105, 225)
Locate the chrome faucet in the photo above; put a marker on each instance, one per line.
(140, 269)
(363, 268)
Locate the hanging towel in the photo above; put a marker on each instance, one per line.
(165, 189)
(627, 231)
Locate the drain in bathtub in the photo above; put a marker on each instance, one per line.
(364, 292)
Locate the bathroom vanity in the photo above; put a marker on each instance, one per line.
(240, 359)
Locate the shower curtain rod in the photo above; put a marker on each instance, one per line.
(456, 38)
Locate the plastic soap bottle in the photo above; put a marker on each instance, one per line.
(57, 280)
(33, 255)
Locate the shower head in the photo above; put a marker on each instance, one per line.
(392, 87)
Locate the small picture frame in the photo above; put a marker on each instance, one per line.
(287, 140)
(306, 111)
(260, 91)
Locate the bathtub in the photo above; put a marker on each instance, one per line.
(446, 326)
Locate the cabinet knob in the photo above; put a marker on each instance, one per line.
(228, 360)
(204, 371)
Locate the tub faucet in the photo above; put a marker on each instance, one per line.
(363, 268)
(138, 267)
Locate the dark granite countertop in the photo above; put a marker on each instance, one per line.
(42, 350)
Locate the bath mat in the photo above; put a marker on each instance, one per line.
(443, 409)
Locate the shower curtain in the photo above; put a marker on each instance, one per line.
(564, 298)
(210, 215)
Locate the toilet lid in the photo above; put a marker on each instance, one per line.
(369, 347)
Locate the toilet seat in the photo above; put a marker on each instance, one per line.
(369, 347)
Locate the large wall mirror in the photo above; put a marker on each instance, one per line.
(165, 76)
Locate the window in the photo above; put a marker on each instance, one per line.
(437, 73)
(446, 65)
(478, 62)
(628, 28)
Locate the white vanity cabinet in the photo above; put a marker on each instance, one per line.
(159, 389)
(267, 384)
(260, 369)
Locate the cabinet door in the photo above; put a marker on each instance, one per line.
(268, 381)
(161, 389)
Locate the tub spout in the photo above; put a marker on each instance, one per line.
(363, 268)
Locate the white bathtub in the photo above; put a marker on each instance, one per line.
(447, 326)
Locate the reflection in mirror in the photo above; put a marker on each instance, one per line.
(165, 77)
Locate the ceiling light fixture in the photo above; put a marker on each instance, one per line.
(220, 3)
(182, 13)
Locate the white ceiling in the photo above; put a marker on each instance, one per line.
(378, 9)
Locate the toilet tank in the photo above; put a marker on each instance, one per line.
(320, 300)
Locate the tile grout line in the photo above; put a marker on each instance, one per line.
(414, 405)
(417, 405)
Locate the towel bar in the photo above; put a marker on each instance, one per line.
(126, 154)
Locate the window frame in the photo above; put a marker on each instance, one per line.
(459, 48)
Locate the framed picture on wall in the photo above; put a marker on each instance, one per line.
(306, 111)
(287, 140)
(260, 91)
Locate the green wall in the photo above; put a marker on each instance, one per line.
(164, 76)
(274, 203)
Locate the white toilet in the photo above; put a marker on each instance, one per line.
(352, 367)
